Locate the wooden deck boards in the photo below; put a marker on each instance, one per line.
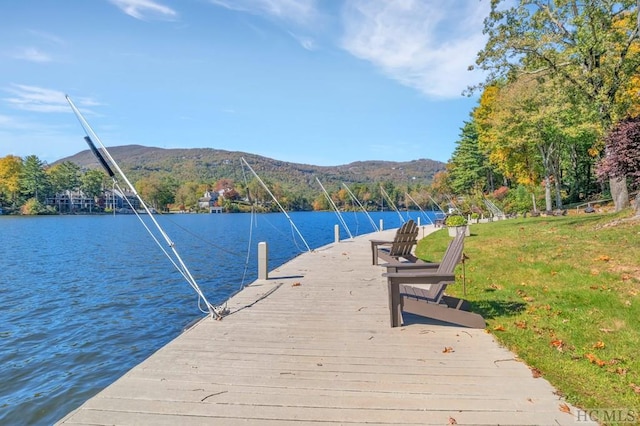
(313, 346)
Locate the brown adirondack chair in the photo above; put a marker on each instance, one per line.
(419, 289)
(400, 248)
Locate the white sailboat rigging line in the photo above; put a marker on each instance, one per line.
(353, 197)
(384, 193)
(438, 206)
(420, 208)
(266, 188)
(176, 260)
(335, 208)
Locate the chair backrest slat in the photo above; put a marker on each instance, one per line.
(453, 255)
(406, 237)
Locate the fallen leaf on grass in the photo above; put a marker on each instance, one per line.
(635, 388)
(498, 328)
(558, 344)
(599, 345)
(447, 350)
(603, 258)
(521, 324)
(536, 373)
(565, 408)
(595, 360)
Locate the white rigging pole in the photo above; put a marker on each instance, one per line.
(277, 203)
(335, 208)
(384, 193)
(361, 207)
(176, 260)
(418, 205)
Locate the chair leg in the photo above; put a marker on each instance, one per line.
(395, 305)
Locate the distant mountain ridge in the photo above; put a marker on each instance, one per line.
(210, 165)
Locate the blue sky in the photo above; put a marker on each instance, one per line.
(323, 82)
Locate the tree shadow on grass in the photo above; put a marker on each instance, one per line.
(490, 309)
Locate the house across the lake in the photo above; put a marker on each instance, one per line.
(209, 201)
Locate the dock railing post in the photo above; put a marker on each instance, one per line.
(381, 225)
(263, 261)
(336, 233)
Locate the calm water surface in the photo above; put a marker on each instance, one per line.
(86, 298)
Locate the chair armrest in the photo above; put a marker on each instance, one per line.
(374, 249)
(409, 267)
(421, 277)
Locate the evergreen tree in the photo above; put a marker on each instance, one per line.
(34, 182)
(469, 168)
(64, 176)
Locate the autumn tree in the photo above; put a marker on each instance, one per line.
(10, 172)
(157, 190)
(592, 46)
(623, 145)
(188, 194)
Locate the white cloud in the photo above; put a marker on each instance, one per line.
(32, 54)
(296, 11)
(424, 44)
(301, 14)
(145, 9)
(38, 99)
(306, 42)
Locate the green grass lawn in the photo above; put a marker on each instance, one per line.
(563, 293)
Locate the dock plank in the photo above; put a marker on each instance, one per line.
(312, 345)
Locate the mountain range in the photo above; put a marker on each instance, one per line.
(209, 165)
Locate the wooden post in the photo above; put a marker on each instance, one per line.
(336, 233)
(263, 261)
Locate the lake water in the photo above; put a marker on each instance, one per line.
(86, 298)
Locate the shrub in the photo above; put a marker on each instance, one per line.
(455, 220)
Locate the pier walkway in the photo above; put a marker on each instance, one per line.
(312, 345)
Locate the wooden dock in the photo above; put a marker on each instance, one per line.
(312, 345)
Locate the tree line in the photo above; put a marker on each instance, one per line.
(30, 186)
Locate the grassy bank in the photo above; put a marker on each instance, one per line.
(563, 293)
